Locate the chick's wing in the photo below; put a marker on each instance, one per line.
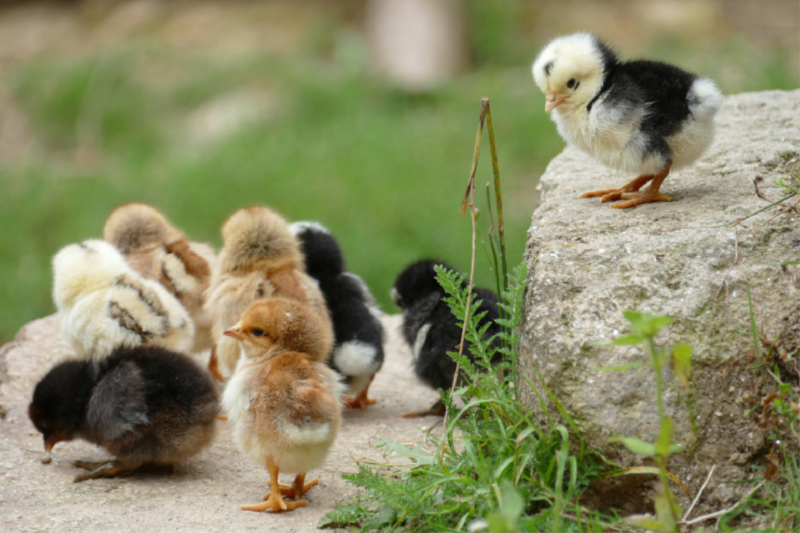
(118, 403)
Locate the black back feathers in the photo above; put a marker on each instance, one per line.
(429, 326)
(357, 331)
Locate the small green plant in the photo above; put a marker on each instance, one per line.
(644, 328)
(492, 466)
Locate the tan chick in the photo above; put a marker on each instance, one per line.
(260, 259)
(161, 252)
(105, 304)
(283, 400)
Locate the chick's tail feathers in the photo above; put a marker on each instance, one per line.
(704, 99)
(134, 226)
(257, 237)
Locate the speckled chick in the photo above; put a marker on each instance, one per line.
(640, 116)
(430, 328)
(159, 251)
(104, 304)
(283, 399)
(144, 405)
(358, 333)
(260, 259)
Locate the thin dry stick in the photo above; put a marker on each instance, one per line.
(699, 493)
(718, 514)
(469, 201)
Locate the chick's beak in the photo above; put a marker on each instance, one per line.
(552, 101)
(235, 332)
(50, 442)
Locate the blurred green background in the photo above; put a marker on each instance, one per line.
(200, 108)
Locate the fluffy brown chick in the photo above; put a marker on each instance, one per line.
(260, 259)
(159, 251)
(283, 400)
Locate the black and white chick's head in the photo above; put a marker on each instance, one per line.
(322, 253)
(571, 70)
(417, 282)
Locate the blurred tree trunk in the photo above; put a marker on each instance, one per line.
(417, 44)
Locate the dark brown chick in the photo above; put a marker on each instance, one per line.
(144, 405)
(283, 400)
(159, 251)
(260, 259)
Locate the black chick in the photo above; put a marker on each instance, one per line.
(430, 328)
(358, 333)
(144, 405)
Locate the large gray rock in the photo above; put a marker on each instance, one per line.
(687, 259)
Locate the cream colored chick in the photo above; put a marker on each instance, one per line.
(283, 400)
(638, 116)
(161, 252)
(105, 304)
(260, 259)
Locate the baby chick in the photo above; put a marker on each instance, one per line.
(159, 251)
(358, 333)
(283, 400)
(638, 116)
(144, 405)
(260, 259)
(105, 304)
(430, 328)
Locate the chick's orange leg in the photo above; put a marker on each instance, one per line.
(213, 365)
(615, 194)
(296, 489)
(361, 401)
(103, 469)
(647, 196)
(274, 501)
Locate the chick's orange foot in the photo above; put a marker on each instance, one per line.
(275, 503)
(361, 401)
(636, 198)
(631, 193)
(103, 469)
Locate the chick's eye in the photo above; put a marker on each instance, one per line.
(572, 84)
(257, 332)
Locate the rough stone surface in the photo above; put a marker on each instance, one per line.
(687, 259)
(201, 494)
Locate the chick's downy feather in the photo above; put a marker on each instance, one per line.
(104, 304)
(358, 333)
(260, 259)
(161, 252)
(639, 116)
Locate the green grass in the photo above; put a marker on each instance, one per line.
(385, 171)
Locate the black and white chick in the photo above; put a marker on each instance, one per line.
(358, 332)
(430, 328)
(639, 116)
(144, 405)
